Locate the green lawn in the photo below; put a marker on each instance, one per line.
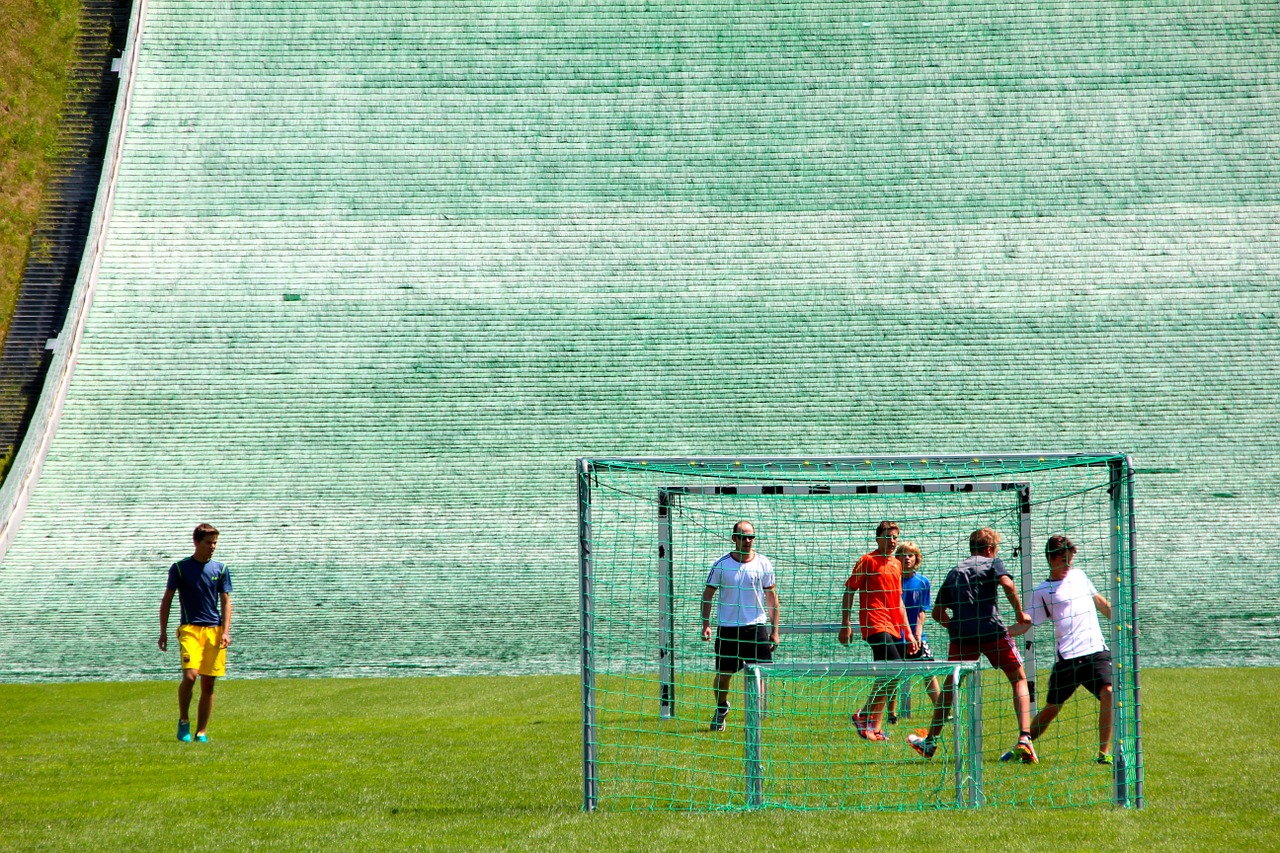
(813, 758)
(467, 763)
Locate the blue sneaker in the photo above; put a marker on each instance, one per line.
(184, 731)
(202, 738)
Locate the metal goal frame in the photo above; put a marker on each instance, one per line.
(1127, 788)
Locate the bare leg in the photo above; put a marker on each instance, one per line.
(940, 710)
(935, 692)
(1021, 699)
(185, 687)
(1044, 717)
(206, 702)
(1104, 720)
(874, 709)
(722, 688)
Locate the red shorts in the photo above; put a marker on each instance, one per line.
(1000, 651)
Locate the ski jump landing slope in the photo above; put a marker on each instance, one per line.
(367, 277)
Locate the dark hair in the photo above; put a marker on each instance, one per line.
(1057, 544)
(202, 531)
(981, 540)
(885, 526)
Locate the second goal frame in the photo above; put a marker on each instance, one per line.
(668, 495)
(966, 722)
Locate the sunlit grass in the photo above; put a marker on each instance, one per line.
(476, 763)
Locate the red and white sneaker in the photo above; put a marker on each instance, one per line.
(923, 744)
(863, 724)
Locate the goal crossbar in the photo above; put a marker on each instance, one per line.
(803, 489)
(907, 462)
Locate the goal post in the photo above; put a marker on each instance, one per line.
(649, 530)
(1126, 739)
(590, 791)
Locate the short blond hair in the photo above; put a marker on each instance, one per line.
(910, 548)
(981, 540)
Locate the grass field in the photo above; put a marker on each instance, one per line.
(484, 763)
(813, 759)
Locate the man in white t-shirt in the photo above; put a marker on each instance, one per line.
(1069, 600)
(747, 616)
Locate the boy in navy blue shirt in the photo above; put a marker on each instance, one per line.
(976, 629)
(204, 630)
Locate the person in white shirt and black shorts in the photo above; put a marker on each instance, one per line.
(1069, 600)
(747, 616)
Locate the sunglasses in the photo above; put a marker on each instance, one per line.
(744, 536)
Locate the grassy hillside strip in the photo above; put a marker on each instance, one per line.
(36, 47)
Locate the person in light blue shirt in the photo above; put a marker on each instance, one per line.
(916, 597)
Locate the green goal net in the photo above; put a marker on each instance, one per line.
(799, 749)
(795, 731)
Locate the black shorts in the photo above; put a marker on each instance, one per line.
(1093, 671)
(886, 646)
(922, 653)
(739, 645)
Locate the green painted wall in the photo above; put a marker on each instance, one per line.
(526, 232)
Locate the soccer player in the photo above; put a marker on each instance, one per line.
(1069, 600)
(917, 598)
(877, 579)
(747, 616)
(975, 626)
(204, 631)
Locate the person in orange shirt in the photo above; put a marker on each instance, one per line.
(882, 618)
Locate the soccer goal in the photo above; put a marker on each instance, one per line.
(789, 736)
(650, 530)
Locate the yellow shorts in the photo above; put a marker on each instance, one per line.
(202, 649)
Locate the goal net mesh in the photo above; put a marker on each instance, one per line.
(650, 531)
